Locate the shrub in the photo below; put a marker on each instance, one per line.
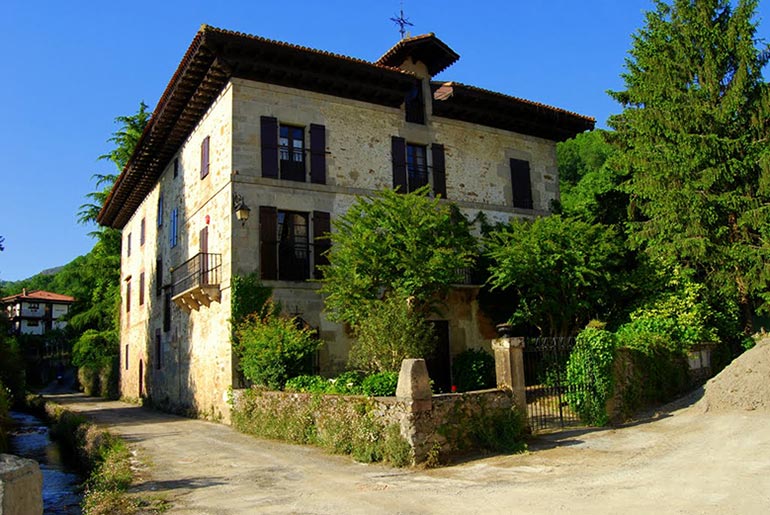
(590, 366)
(307, 384)
(347, 383)
(474, 369)
(12, 368)
(272, 348)
(88, 377)
(109, 377)
(5, 406)
(381, 384)
(389, 333)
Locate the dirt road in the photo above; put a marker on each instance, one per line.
(687, 462)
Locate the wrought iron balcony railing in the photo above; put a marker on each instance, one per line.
(196, 281)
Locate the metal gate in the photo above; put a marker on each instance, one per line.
(547, 391)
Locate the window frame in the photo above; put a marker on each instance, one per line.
(291, 168)
(417, 175)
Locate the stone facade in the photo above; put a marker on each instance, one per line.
(175, 338)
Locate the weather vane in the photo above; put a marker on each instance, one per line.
(402, 21)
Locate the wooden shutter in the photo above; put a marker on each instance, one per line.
(321, 227)
(205, 157)
(268, 242)
(317, 154)
(520, 182)
(269, 134)
(439, 170)
(398, 153)
(141, 289)
(158, 277)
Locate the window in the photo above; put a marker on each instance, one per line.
(33, 323)
(128, 296)
(291, 152)
(158, 277)
(293, 246)
(205, 157)
(416, 167)
(284, 244)
(128, 245)
(283, 151)
(126, 358)
(415, 105)
(141, 233)
(34, 306)
(159, 216)
(141, 289)
(521, 184)
(176, 168)
(158, 349)
(173, 234)
(167, 311)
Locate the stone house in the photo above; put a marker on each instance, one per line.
(36, 312)
(294, 135)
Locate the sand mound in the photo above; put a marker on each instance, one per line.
(742, 385)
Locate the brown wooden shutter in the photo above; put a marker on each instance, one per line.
(321, 226)
(268, 242)
(439, 170)
(398, 153)
(317, 154)
(205, 157)
(269, 127)
(521, 184)
(158, 277)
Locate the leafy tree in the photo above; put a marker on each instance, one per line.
(391, 332)
(125, 139)
(692, 137)
(562, 271)
(389, 243)
(272, 348)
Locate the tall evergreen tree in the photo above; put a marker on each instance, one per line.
(693, 140)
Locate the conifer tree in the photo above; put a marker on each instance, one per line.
(693, 140)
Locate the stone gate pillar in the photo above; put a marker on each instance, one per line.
(509, 367)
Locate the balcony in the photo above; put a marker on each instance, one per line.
(195, 282)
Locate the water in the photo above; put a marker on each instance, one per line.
(61, 487)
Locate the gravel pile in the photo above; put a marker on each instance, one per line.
(743, 385)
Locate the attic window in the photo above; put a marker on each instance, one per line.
(415, 104)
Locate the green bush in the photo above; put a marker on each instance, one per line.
(390, 332)
(381, 384)
(88, 377)
(307, 384)
(589, 375)
(272, 348)
(347, 383)
(5, 407)
(109, 378)
(473, 369)
(12, 367)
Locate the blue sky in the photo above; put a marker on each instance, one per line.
(71, 67)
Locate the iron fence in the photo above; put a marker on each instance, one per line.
(547, 390)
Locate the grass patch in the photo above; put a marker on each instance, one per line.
(342, 425)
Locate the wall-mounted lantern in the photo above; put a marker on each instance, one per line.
(242, 211)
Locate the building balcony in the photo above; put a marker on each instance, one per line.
(195, 282)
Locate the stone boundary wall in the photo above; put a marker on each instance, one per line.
(442, 426)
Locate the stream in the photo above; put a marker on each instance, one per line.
(61, 486)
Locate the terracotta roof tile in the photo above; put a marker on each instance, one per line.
(39, 295)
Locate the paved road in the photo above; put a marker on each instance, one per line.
(689, 462)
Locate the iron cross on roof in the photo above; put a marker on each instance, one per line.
(402, 21)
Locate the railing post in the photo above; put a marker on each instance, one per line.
(509, 367)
